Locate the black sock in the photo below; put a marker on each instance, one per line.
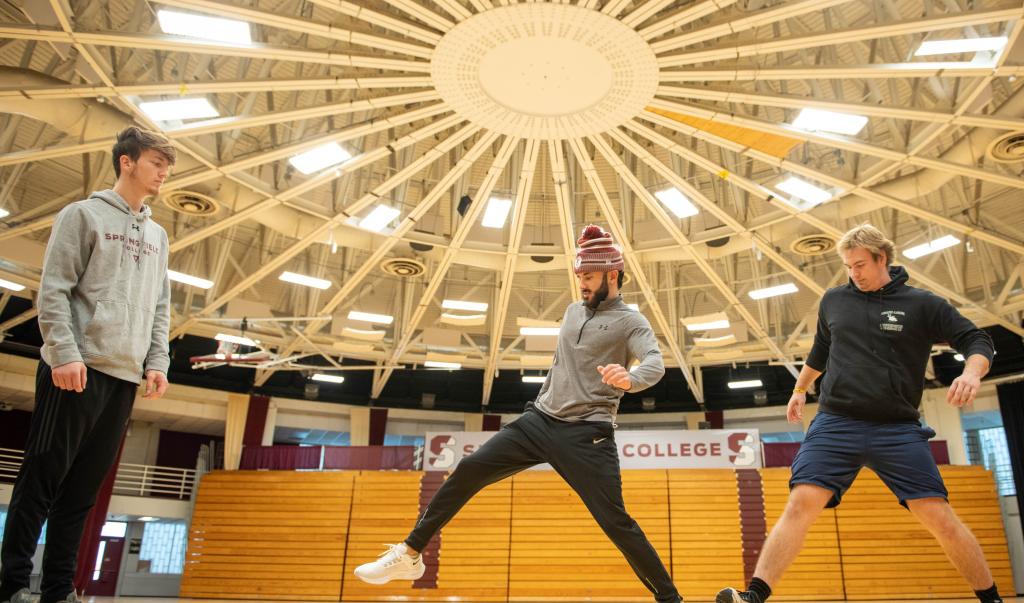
(760, 588)
(989, 595)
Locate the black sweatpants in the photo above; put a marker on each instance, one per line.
(584, 454)
(72, 442)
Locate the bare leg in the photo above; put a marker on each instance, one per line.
(956, 539)
(806, 502)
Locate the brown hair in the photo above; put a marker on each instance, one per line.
(133, 140)
(868, 237)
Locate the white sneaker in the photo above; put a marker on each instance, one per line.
(393, 564)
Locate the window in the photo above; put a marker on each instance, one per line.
(3, 522)
(403, 440)
(988, 447)
(163, 545)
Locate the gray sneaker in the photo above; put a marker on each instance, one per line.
(22, 596)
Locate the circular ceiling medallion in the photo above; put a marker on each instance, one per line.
(815, 244)
(545, 71)
(1008, 148)
(191, 203)
(403, 267)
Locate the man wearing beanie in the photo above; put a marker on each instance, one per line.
(570, 425)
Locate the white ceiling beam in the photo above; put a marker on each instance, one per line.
(379, 19)
(615, 225)
(842, 72)
(301, 25)
(563, 199)
(171, 43)
(843, 36)
(468, 222)
(687, 15)
(500, 311)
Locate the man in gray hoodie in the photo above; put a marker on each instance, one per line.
(104, 313)
(570, 425)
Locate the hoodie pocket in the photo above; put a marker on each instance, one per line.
(121, 332)
(858, 383)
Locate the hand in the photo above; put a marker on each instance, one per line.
(156, 385)
(70, 376)
(615, 375)
(795, 408)
(963, 390)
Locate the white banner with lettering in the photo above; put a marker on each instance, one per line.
(638, 449)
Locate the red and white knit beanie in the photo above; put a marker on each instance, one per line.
(597, 252)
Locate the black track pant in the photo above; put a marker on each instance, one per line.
(73, 440)
(584, 454)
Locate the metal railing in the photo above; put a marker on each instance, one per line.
(131, 480)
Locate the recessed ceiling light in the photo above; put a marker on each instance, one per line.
(934, 47)
(302, 279)
(677, 202)
(188, 279)
(383, 319)
(745, 384)
(497, 212)
(216, 29)
(179, 109)
(319, 158)
(938, 244)
(773, 291)
(803, 190)
(819, 120)
(379, 218)
(326, 378)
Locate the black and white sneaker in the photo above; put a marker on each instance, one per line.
(731, 595)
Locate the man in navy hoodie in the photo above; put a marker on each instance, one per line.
(874, 337)
(104, 313)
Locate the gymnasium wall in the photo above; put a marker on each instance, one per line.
(299, 535)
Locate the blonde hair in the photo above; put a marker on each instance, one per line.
(868, 237)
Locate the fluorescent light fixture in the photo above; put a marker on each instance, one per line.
(773, 291)
(4, 213)
(383, 319)
(541, 331)
(958, 357)
(6, 284)
(302, 279)
(114, 529)
(147, 518)
(803, 190)
(455, 304)
(327, 378)
(745, 384)
(463, 320)
(179, 109)
(677, 202)
(712, 342)
(934, 47)
(363, 334)
(635, 307)
(938, 244)
(708, 326)
(819, 120)
(379, 218)
(188, 279)
(235, 339)
(201, 26)
(442, 365)
(497, 212)
(534, 378)
(321, 157)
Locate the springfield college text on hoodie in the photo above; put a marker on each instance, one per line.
(104, 297)
(875, 346)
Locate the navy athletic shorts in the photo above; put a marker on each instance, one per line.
(836, 447)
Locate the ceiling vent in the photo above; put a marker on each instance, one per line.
(191, 203)
(403, 267)
(1008, 148)
(815, 244)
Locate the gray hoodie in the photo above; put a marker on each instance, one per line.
(612, 334)
(104, 298)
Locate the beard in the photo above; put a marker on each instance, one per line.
(600, 295)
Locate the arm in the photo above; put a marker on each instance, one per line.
(815, 364)
(643, 346)
(976, 347)
(67, 254)
(158, 359)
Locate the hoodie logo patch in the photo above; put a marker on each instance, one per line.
(892, 320)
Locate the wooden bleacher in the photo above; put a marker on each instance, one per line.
(270, 535)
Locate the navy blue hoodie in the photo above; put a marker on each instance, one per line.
(875, 346)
